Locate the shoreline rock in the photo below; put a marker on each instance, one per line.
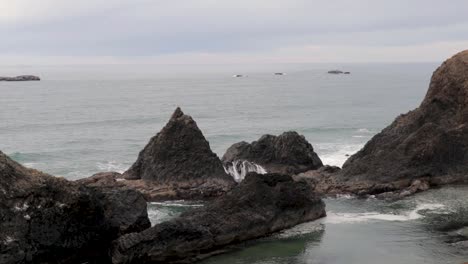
(288, 153)
(20, 78)
(47, 219)
(260, 205)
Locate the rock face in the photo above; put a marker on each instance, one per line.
(429, 143)
(44, 219)
(179, 158)
(260, 205)
(288, 153)
(20, 78)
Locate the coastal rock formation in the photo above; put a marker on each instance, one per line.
(260, 205)
(177, 163)
(428, 144)
(44, 219)
(20, 78)
(288, 153)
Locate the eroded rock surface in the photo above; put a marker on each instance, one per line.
(45, 219)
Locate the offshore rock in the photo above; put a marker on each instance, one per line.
(20, 78)
(178, 163)
(260, 205)
(288, 153)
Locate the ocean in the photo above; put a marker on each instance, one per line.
(80, 120)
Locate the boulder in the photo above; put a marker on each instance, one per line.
(288, 153)
(45, 219)
(180, 160)
(429, 143)
(20, 78)
(260, 205)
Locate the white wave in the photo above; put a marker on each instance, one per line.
(336, 155)
(112, 166)
(364, 130)
(177, 203)
(340, 218)
(239, 168)
(30, 164)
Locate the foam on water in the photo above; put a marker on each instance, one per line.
(238, 169)
(341, 218)
(112, 166)
(338, 154)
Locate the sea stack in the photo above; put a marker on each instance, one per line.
(288, 153)
(45, 219)
(260, 205)
(179, 156)
(428, 144)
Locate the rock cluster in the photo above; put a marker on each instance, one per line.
(288, 153)
(260, 205)
(44, 219)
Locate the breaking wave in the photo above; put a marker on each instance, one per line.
(340, 218)
(239, 168)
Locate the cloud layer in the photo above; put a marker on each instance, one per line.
(209, 31)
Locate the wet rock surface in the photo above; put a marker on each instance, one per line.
(288, 153)
(260, 205)
(45, 219)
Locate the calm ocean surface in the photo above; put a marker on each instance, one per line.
(83, 120)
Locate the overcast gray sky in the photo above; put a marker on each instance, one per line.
(240, 31)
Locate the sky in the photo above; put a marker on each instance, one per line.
(230, 32)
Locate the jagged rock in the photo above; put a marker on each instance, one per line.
(44, 219)
(179, 160)
(20, 78)
(420, 149)
(260, 205)
(288, 153)
(429, 143)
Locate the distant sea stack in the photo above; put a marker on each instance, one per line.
(288, 153)
(20, 78)
(426, 146)
(338, 72)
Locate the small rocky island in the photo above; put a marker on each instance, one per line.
(20, 78)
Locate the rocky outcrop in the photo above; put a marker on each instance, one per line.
(20, 78)
(44, 219)
(288, 153)
(427, 146)
(177, 163)
(260, 205)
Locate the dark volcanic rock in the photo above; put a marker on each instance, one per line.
(260, 205)
(180, 156)
(429, 143)
(288, 153)
(44, 219)
(20, 78)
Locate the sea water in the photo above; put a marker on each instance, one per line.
(80, 120)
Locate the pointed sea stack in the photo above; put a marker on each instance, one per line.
(288, 153)
(179, 155)
(428, 144)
